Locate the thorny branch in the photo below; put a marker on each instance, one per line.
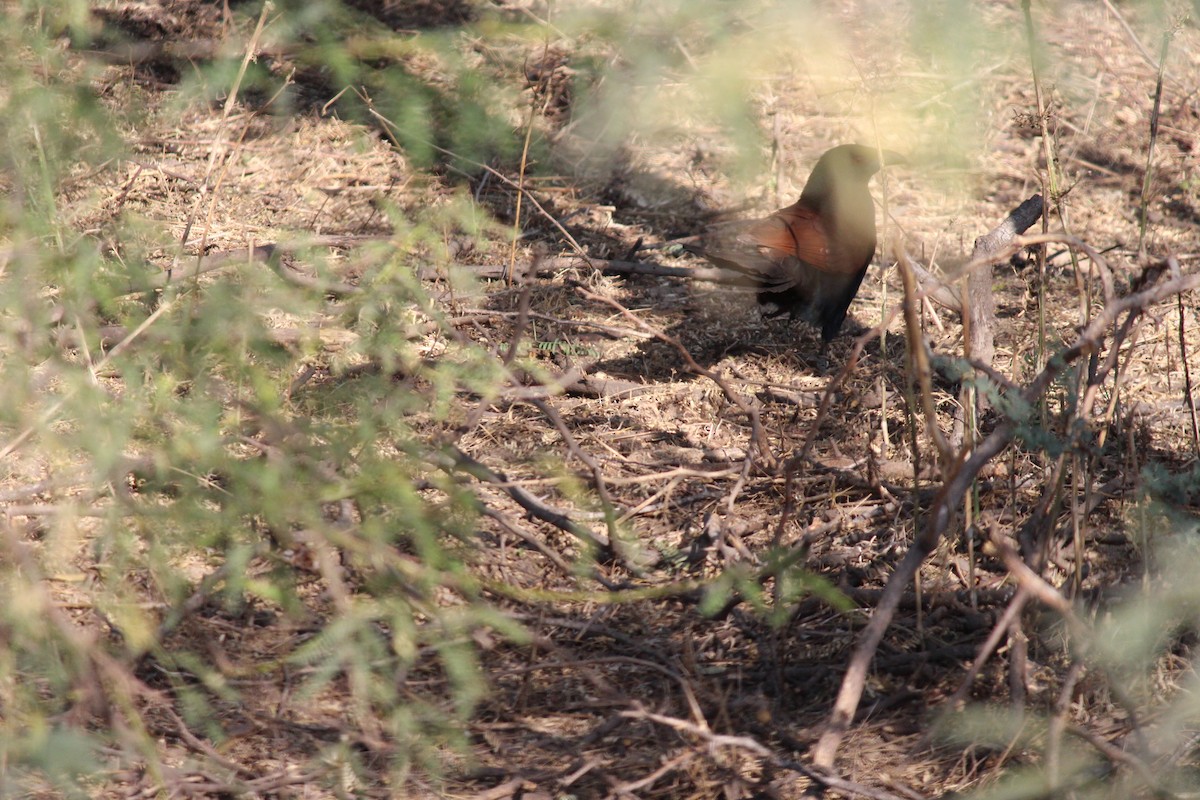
(961, 476)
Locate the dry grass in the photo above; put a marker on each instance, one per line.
(671, 455)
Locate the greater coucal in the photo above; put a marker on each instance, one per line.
(808, 259)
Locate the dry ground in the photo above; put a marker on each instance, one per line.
(669, 447)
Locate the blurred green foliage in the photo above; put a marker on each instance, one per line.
(181, 472)
(183, 475)
(1134, 674)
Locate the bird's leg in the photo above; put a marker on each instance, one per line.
(823, 357)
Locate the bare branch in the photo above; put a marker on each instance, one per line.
(964, 473)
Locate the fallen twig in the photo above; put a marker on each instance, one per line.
(961, 476)
(756, 748)
(459, 460)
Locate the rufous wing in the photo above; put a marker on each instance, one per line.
(796, 231)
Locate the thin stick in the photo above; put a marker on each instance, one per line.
(922, 372)
(512, 252)
(1148, 176)
(1133, 37)
(1189, 398)
(219, 145)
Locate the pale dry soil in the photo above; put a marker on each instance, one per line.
(673, 452)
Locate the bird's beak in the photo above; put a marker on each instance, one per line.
(891, 158)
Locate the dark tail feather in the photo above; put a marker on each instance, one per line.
(765, 276)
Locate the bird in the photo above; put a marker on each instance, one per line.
(808, 259)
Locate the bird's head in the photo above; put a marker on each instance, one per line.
(845, 167)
